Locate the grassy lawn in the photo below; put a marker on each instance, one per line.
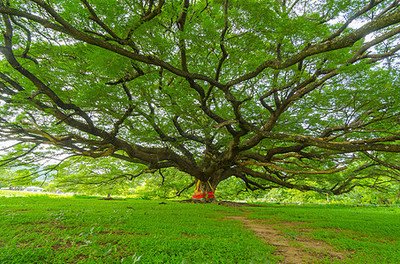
(71, 230)
(369, 234)
(42, 229)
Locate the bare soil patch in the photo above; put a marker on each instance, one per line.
(62, 246)
(293, 249)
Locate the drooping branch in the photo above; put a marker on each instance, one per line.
(179, 193)
(348, 184)
(25, 53)
(381, 162)
(14, 158)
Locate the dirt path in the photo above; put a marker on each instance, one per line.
(292, 249)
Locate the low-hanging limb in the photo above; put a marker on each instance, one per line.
(179, 193)
(382, 162)
(14, 158)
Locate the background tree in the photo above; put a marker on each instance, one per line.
(300, 94)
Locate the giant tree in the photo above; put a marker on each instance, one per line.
(300, 94)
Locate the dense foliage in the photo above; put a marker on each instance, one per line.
(300, 94)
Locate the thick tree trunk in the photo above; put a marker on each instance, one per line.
(108, 197)
(204, 191)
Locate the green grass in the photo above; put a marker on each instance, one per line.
(371, 234)
(41, 229)
(75, 230)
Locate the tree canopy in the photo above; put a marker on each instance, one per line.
(293, 93)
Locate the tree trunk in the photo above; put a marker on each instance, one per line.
(204, 191)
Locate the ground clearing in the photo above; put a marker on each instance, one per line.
(77, 230)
